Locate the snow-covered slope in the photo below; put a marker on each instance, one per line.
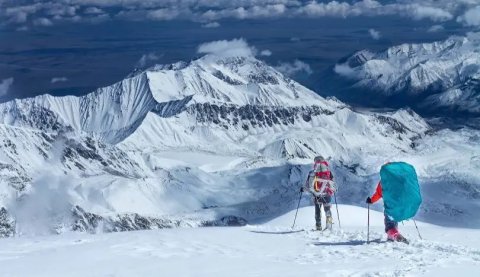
(242, 106)
(217, 141)
(447, 72)
(464, 97)
(109, 113)
(229, 80)
(113, 112)
(268, 249)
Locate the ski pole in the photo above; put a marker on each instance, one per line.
(338, 214)
(417, 228)
(298, 205)
(368, 224)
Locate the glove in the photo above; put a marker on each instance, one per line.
(369, 200)
(302, 189)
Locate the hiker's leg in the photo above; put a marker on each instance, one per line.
(318, 213)
(389, 223)
(327, 205)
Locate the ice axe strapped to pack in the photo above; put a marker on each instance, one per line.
(321, 187)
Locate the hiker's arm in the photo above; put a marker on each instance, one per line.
(305, 186)
(378, 193)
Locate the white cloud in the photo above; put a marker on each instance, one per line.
(227, 48)
(59, 9)
(248, 12)
(58, 80)
(162, 14)
(5, 86)
(93, 10)
(211, 25)
(419, 12)
(146, 58)
(18, 17)
(266, 53)
(75, 18)
(334, 8)
(374, 34)
(471, 17)
(22, 29)
(291, 69)
(345, 70)
(17, 12)
(435, 28)
(97, 18)
(42, 21)
(374, 8)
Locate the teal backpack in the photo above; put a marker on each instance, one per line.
(400, 190)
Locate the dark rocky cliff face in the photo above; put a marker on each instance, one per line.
(7, 224)
(253, 115)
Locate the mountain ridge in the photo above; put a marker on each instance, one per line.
(441, 75)
(185, 146)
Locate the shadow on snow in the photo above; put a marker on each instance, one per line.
(348, 243)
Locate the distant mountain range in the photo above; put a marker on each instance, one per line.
(439, 78)
(217, 141)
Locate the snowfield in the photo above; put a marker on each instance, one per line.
(263, 249)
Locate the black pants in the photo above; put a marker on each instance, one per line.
(326, 202)
(389, 223)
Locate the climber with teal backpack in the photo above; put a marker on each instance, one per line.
(400, 191)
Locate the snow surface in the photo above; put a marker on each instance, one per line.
(264, 249)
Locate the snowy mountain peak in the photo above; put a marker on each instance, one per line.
(424, 49)
(229, 80)
(165, 147)
(107, 113)
(441, 70)
(112, 113)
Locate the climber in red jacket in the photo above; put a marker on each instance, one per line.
(391, 226)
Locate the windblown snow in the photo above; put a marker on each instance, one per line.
(219, 141)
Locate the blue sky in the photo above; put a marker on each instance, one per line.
(73, 46)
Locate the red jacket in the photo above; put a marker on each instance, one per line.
(378, 193)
